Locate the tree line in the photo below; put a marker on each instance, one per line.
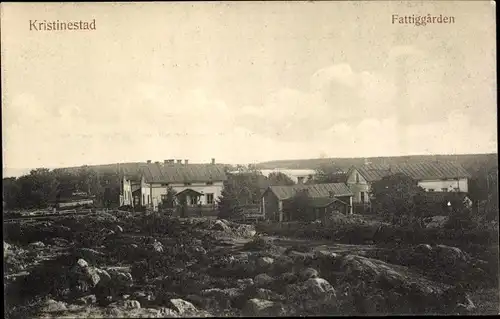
(42, 187)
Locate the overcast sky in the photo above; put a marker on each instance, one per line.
(246, 82)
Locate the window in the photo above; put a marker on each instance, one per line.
(164, 184)
(430, 190)
(300, 180)
(357, 178)
(362, 197)
(194, 200)
(456, 189)
(210, 198)
(210, 183)
(444, 189)
(143, 199)
(164, 197)
(148, 200)
(187, 184)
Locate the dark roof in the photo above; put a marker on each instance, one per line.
(163, 173)
(314, 190)
(417, 171)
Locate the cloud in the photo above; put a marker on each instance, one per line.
(336, 94)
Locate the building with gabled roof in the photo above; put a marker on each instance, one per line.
(432, 176)
(324, 199)
(145, 184)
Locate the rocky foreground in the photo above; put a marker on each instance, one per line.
(147, 266)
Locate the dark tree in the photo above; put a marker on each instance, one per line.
(328, 174)
(397, 196)
(279, 179)
(169, 201)
(298, 207)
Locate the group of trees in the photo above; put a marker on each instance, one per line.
(245, 189)
(41, 187)
(327, 174)
(401, 199)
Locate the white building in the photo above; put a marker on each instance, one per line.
(437, 176)
(201, 184)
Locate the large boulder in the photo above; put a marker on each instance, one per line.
(84, 276)
(36, 245)
(86, 300)
(263, 280)
(221, 225)
(126, 304)
(222, 298)
(264, 308)
(53, 306)
(265, 263)
(120, 277)
(450, 255)
(308, 273)
(184, 308)
(267, 294)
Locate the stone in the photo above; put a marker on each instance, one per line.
(423, 248)
(220, 225)
(263, 280)
(308, 273)
(265, 262)
(82, 263)
(118, 229)
(325, 254)
(54, 306)
(183, 307)
(157, 247)
(126, 304)
(168, 313)
(103, 275)
(260, 307)
(36, 245)
(450, 255)
(242, 283)
(120, 278)
(199, 250)
(288, 278)
(319, 288)
(87, 300)
(223, 297)
(267, 294)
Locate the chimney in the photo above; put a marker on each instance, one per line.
(179, 161)
(148, 161)
(213, 161)
(186, 161)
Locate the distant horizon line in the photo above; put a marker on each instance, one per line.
(248, 163)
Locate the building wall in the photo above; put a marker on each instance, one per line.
(357, 186)
(449, 184)
(157, 190)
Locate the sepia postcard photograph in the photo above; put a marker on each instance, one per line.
(249, 159)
